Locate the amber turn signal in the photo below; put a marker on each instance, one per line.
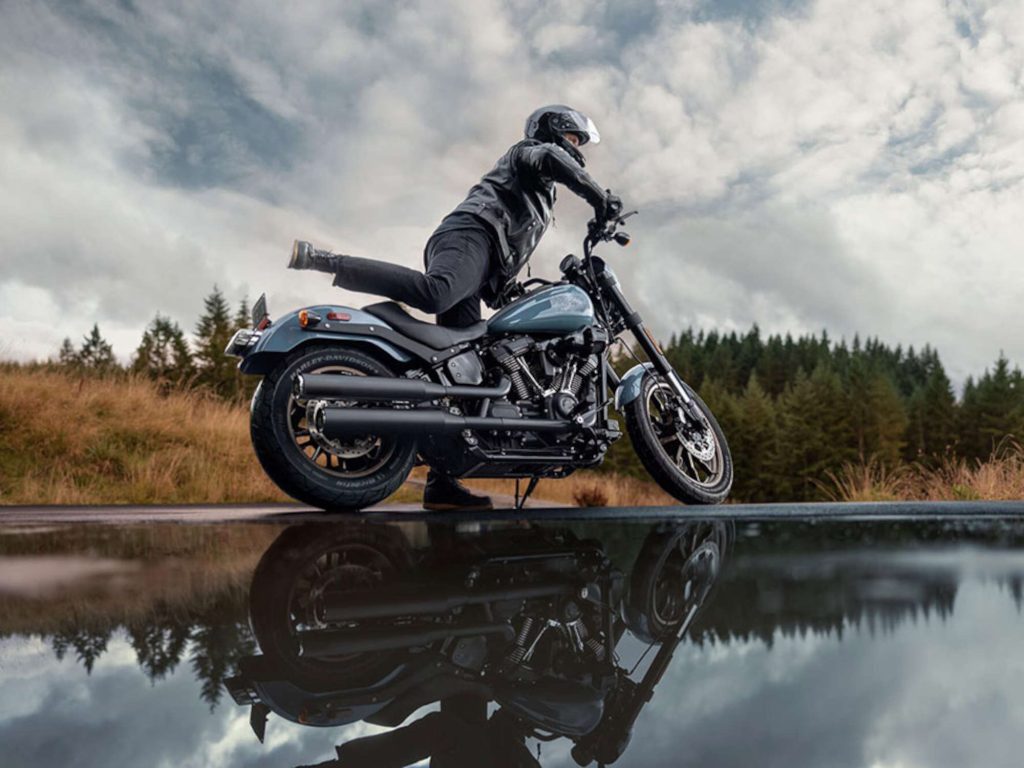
(307, 318)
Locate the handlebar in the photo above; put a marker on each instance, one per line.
(604, 230)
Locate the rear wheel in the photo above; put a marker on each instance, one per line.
(307, 565)
(687, 457)
(327, 473)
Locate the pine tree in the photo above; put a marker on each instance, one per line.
(242, 316)
(163, 354)
(878, 418)
(772, 370)
(67, 356)
(994, 410)
(215, 649)
(88, 644)
(95, 354)
(721, 365)
(932, 426)
(857, 382)
(159, 645)
(753, 443)
(885, 429)
(815, 437)
(968, 438)
(216, 370)
(722, 404)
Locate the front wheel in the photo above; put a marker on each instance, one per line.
(689, 458)
(307, 465)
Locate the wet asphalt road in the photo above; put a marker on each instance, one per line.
(209, 513)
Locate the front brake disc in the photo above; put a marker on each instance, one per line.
(697, 440)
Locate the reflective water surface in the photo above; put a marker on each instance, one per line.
(721, 642)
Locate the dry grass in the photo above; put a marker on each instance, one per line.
(67, 439)
(168, 568)
(81, 440)
(872, 481)
(999, 478)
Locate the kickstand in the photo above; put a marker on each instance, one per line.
(521, 501)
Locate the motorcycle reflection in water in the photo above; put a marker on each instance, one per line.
(372, 622)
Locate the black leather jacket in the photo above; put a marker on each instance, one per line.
(514, 199)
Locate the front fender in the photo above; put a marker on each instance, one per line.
(629, 385)
(286, 335)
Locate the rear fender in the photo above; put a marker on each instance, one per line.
(286, 335)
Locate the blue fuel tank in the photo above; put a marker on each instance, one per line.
(554, 309)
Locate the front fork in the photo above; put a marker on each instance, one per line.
(646, 341)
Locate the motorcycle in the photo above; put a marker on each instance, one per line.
(351, 399)
(353, 624)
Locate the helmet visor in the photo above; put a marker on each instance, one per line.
(584, 127)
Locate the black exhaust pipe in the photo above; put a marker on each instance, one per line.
(407, 601)
(340, 387)
(340, 422)
(318, 643)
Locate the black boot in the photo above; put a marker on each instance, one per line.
(305, 256)
(444, 493)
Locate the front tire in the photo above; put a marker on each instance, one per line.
(331, 475)
(665, 449)
(674, 573)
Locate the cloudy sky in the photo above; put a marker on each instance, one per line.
(802, 165)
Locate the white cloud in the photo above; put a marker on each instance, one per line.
(55, 713)
(853, 167)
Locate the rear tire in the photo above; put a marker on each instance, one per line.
(304, 563)
(671, 465)
(352, 476)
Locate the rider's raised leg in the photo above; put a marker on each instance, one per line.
(458, 263)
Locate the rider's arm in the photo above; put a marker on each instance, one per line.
(552, 162)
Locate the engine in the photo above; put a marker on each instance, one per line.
(551, 378)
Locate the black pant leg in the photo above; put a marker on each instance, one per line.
(458, 263)
(462, 256)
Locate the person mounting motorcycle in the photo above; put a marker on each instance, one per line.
(482, 244)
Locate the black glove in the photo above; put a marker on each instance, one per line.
(612, 206)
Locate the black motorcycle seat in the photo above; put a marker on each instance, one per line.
(434, 336)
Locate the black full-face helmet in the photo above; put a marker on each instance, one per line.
(552, 122)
